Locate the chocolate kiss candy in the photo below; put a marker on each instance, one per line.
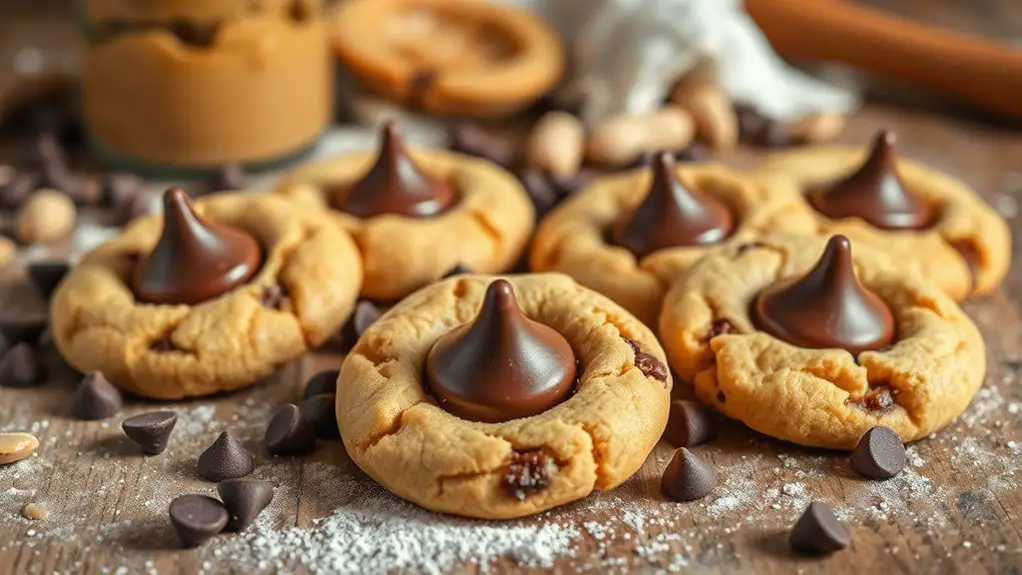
(195, 260)
(672, 215)
(244, 499)
(874, 192)
(880, 454)
(690, 423)
(290, 432)
(687, 477)
(394, 185)
(95, 398)
(502, 365)
(227, 458)
(151, 431)
(818, 531)
(827, 307)
(197, 518)
(324, 382)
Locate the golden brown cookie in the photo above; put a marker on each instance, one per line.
(965, 249)
(575, 238)
(596, 439)
(303, 292)
(449, 57)
(484, 228)
(820, 397)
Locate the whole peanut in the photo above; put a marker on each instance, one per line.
(47, 216)
(556, 144)
(715, 118)
(15, 446)
(818, 127)
(621, 139)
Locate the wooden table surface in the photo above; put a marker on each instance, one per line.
(955, 509)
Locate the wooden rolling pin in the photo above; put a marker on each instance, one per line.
(985, 73)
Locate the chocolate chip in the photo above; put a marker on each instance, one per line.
(16, 191)
(819, 531)
(151, 431)
(366, 314)
(324, 382)
(690, 423)
(20, 367)
(879, 454)
(878, 399)
(197, 518)
(197, 34)
(275, 296)
(47, 275)
(244, 500)
(720, 327)
(456, 271)
(120, 188)
(164, 344)
(472, 140)
(289, 433)
(228, 177)
(227, 458)
(529, 472)
(687, 477)
(319, 409)
(132, 209)
(539, 188)
(648, 364)
(15, 331)
(95, 398)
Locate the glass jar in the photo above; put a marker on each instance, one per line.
(179, 87)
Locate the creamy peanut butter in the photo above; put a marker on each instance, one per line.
(195, 84)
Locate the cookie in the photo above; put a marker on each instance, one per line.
(415, 215)
(630, 235)
(448, 57)
(260, 283)
(503, 438)
(932, 222)
(729, 327)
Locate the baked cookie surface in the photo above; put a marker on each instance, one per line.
(574, 238)
(820, 397)
(965, 250)
(485, 230)
(303, 292)
(595, 439)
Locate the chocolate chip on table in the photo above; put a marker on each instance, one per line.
(15, 446)
(228, 177)
(95, 398)
(289, 433)
(320, 410)
(244, 500)
(687, 477)
(472, 140)
(648, 364)
(227, 458)
(20, 367)
(324, 382)
(119, 188)
(366, 314)
(151, 431)
(16, 191)
(15, 331)
(46, 275)
(197, 518)
(879, 454)
(275, 296)
(690, 423)
(529, 472)
(819, 531)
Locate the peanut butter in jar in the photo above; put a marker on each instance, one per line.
(191, 84)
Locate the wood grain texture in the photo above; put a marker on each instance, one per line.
(957, 512)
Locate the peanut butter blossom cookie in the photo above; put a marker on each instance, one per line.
(628, 236)
(498, 398)
(803, 342)
(206, 298)
(921, 217)
(417, 215)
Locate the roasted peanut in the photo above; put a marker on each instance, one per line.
(715, 118)
(623, 138)
(47, 216)
(818, 127)
(15, 446)
(556, 144)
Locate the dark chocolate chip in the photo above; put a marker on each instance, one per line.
(687, 477)
(227, 458)
(878, 399)
(529, 472)
(197, 34)
(229, 177)
(366, 314)
(47, 275)
(648, 364)
(879, 454)
(15, 331)
(819, 531)
(456, 271)
(120, 188)
(244, 500)
(275, 296)
(720, 327)
(197, 518)
(472, 140)
(132, 209)
(690, 423)
(324, 382)
(16, 191)
(151, 431)
(289, 433)
(319, 409)
(20, 367)
(95, 398)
